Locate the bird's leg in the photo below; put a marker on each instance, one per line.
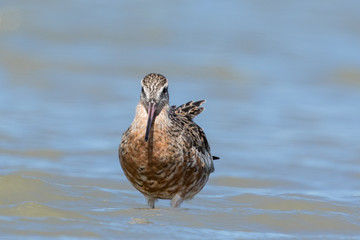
(176, 201)
(151, 201)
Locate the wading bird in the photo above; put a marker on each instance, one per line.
(164, 154)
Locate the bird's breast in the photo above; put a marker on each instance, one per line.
(160, 150)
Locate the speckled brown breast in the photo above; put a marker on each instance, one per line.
(161, 168)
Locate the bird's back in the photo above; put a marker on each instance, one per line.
(193, 135)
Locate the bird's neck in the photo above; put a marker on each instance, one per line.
(160, 121)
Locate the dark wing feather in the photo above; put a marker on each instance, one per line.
(189, 110)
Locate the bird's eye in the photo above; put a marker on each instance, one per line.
(164, 90)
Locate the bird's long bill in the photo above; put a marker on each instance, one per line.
(151, 111)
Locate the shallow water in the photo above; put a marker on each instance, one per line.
(282, 83)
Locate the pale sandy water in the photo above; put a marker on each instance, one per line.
(282, 80)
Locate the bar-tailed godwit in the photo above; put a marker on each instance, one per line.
(164, 154)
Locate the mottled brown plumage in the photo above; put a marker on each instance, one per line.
(164, 154)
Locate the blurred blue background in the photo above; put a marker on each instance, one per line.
(281, 80)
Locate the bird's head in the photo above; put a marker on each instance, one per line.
(154, 96)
